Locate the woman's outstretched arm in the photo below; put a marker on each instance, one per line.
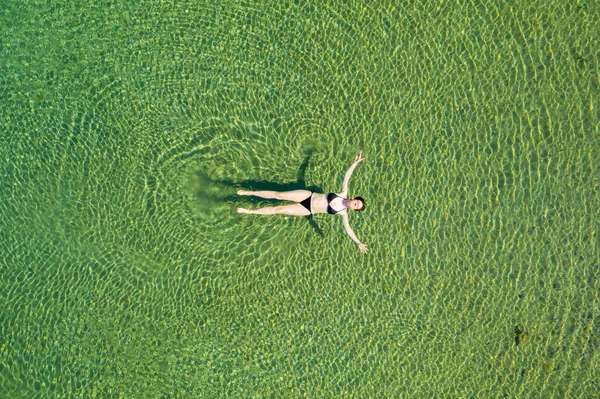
(363, 248)
(349, 173)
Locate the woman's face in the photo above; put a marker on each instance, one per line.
(356, 204)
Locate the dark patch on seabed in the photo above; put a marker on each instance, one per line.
(520, 335)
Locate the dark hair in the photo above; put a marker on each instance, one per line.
(361, 199)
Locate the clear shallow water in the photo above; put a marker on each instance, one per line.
(127, 128)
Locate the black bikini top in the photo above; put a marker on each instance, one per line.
(331, 197)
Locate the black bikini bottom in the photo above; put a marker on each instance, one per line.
(306, 203)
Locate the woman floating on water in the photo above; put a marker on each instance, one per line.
(310, 203)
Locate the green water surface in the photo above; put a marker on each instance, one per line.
(127, 126)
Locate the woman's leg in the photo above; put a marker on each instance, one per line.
(296, 195)
(292, 210)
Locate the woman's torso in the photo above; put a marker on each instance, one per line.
(320, 204)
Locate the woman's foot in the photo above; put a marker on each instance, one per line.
(242, 192)
(242, 210)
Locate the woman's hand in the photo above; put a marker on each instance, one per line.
(363, 248)
(358, 158)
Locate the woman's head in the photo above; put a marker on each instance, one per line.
(357, 204)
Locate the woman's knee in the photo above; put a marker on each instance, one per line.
(282, 210)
